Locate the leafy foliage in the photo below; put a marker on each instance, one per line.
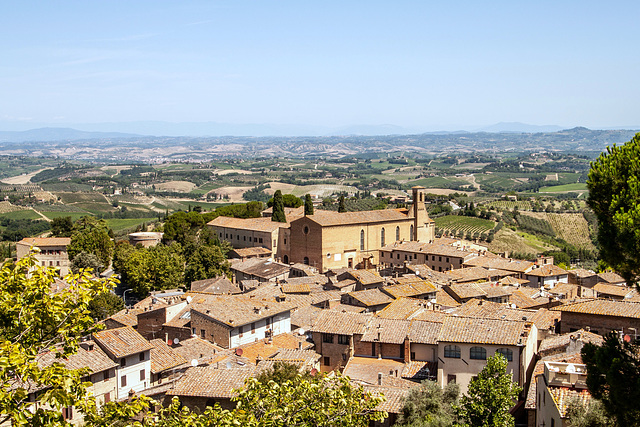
(18, 229)
(429, 405)
(104, 305)
(289, 201)
(86, 261)
(613, 376)
(278, 208)
(308, 205)
(590, 415)
(490, 396)
(206, 261)
(614, 196)
(93, 236)
(61, 226)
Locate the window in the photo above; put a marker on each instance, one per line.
(202, 333)
(123, 381)
(244, 238)
(478, 353)
(452, 351)
(440, 259)
(397, 233)
(105, 375)
(123, 362)
(398, 256)
(107, 397)
(507, 353)
(362, 240)
(382, 237)
(260, 239)
(67, 413)
(142, 374)
(433, 257)
(306, 260)
(343, 339)
(326, 361)
(241, 329)
(305, 230)
(328, 338)
(142, 357)
(255, 240)
(373, 349)
(451, 379)
(447, 259)
(274, 242)
(253, 328)
(411, 232)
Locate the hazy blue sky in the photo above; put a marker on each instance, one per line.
(409, 63)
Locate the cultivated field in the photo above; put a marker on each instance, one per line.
(509, 205)
(466, 224)
(176, 186)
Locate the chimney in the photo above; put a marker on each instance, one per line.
(407, 350)
(299, 345)
(379, 378)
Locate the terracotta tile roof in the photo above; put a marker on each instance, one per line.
(542, 318)
(414, 288)
(343, 323)
(424, 332)
(390, 331)
(563, 395)
(426, 272)
(126, 317)
(430, 249)
(496, 291)
(254, 224)
(317, 280)
(548, 270)
(181, 319)
(467, 290)
(96, 359)
(305, 317)
(616, 290)
(331, 218)
(235, 310)
(42, 242)
(445, 300)
(510, 280)
(482, 331)
(539, 370)
(611, 277)
(394, 397)
(521, 300)
(581, 273)
(163, 357)
(371, 297)
(216, 285)
(251, 252)
(560, 342)
(417, 370)
(121, 342)
(506, 264)
(260, 267)
(343, 283)
(603, 307)
(366, 277)
(295, 288)
(564, 289)
(410, 308)
(366, 369)
(197, 348)
(207, 381)
(307, 357)
(265, 349)
(474, 274)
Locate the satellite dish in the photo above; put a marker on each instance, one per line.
(189, 299)
(229, 366)
(417, 273)
(238, 352)
(301, 331)
(194, 362)
(513, 305)
(176, 340)
(627, 338)
(571, 368)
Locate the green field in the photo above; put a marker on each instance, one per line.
(439, 182)
(465, 223)
(25, 214)
(118, 225)
(509, 205)
(577, 186)
(74, 215)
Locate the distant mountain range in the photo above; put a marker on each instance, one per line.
(136, 130)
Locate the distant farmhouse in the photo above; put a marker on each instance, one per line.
(327, 239)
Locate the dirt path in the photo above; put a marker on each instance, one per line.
(24, 178)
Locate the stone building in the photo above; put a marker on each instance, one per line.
(53, 252)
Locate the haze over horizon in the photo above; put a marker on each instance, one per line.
(328, 68)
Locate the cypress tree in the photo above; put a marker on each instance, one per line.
(278, 208)
(341, 206)
(308, 205)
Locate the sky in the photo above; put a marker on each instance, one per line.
(417, 64)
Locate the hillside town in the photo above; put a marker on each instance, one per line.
(371, 294)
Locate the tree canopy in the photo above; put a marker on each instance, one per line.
(278, 208)
(490, 396)
(92, 236)
(308, 205)
(613, 376)
(342, 207)
(289, 201)
(614, 196)
(429, 406)
(61, 226)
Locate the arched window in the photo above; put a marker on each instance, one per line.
(397, 234)
(306, 260)
(478, 353)
(382, 237)
(362, 240)
(452, 351)
(411, 232)
(286, 259)
(507, 353)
